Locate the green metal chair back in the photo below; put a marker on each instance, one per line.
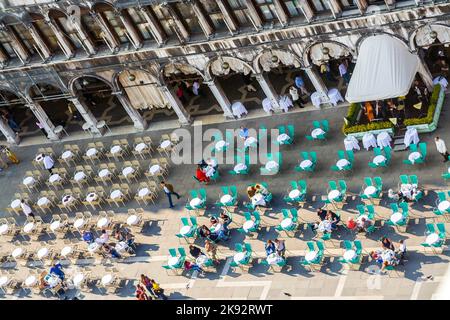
(247, 216)
(304, 155)
(316, 124)
(313, 156)
(430, 228)
(320, 245)
(281, 129)
(182, 252)
(404, 206)
(378, 182)
(414, 180)
(361, 209)
(325, 125)
(193, 221)
(368, 181)
(185, 221)
(332, 185)
(370, 209)
(350, 156)
(239, 247)
(394, 207)
(310, 245)
(413, 147)
(257, 216)
(441, 196)
(291, 130)
(303, 186)
(294, 214)
(341, 154)
(358, 246)
(224, 189)
(194, 194)
(248, 247)
(423, 149)
(404, 179)
(285, 213)
(348, 245)
(265, 185)
(233, 190)
(294, 185)
(441, 227)
(377, 151)
(343, 186)
(173, 252)
(202, 193)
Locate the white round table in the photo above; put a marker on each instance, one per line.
(42, 253)
(39, 157)
(238, 257)
(93, 247)
(370, 190)
(184, 230)
(396, 217)
(116, 149)
(154, 169)
(115, 194)
(92, 196)
(104, 173)
(341, 163)
(143, 192)
(250, 141)
(4, 229)
(107, 279)
(3, 281)
(17, 252)
(432, 238)
(271, 165)
(220, 145)
(310, 256)
(140, 147)
(16, 203)
(54, 178)
(282, 138)
(248, 225)
(379, 159)
(28, 227)
(102, 222)
(78, 223)
(128, 170)
(67, 199)
(80, 175)
(43, 202)
(413, 156)
(55, 225)
(195, 202)
(258, 199)
(173, 261)
(29, 181)
(91, 152)
(226, 198)
(334, 194)
(66, 251)
(286, 223)
(306, 164)
(239, 167)
(293, 194)
(349, 255)
(165, 144)
(317, 132)
(201, 260)
(67, 155)
(77, 279)
(30, 281)
(444, 206)
(273, 258)
(132, 220)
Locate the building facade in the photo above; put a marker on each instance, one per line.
(54, 50)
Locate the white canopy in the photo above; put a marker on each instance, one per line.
(385, 69)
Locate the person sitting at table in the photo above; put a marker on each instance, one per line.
(141, 294)
(380, 110)
(243, 133)
(387, 244)
(392, 108)
(43, 284)
(57, 270)
(351, 224)
(202, 164)
(193, 266)
(88, 237)
(212, 163)
(201, 175)
(322, 214)
(110, 250)
(363, 224)
(368, 111)
(103, 238)
(333, 218)
(202, 231)
(261, 189)
(280, 247)
(270, 247)
(226, 220)
(251, 191)
(195, 251)
(401, 252)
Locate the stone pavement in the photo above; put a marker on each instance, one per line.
(294, 282)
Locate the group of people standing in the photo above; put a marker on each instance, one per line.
(184, 89)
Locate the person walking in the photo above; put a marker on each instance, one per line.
(211, 251)
(11, 156)
(49, 163)
(169, 191)
(42, 128)
(248, 83)
(441, 148)
(26, 209)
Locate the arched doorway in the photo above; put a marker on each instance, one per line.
(20, 40)
(14, 112)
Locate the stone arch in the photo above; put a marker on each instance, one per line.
(93, 5)
(17, 93)
(442, 36)
(362, 38)
(235, 64)
(54, 84)
(178, 65)
(284, 56)
(337, 46)
(89, 75)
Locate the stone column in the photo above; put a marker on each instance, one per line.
(64, 43)
(281, 13)
(318, 83)
(42, 117)
(425, 74)
(205, 22)
(254, 15)
(40, 42)
(362, 5)
(180, 28)
(155, 26)
(221, 98)
(109, 34)
(268, 89)
(4, 58)
(9, 134)
(87, 115)
(85, 39)
(228, 16)
(131, 29)
(19, 47)
(139, 122)
(307, 10)
(390, 3)
(183, 116)
(336, 7)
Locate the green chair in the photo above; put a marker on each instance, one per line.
(413, 179)
(325, 125)
(446, 176)
(316, 124)
(348, 245)
(404, 179)
(361, 209)
(343, 186)
(291, 132)
(182, 252)
(341, 154)
(173, 252)
(442, 196)
(378, 183)
(350, 156)
(332, 185)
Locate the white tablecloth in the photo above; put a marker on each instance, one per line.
(333, 194)
(4, 229)
(317, 132)
(413, 156)
(55, 225)
(384, 139)
(282, 138)
(258, 200)
(341, 163)
(3, 281)
(165, 144)
(28, 181)
(67, 155)
(250, 141)
(128, 170)
(116, 194)
(310, 256)
(285, 103)
(42, 253)
(443, 206)
(286, 223)
(143, 192)
(30, 281)
(267, 105)
(91, 152)
(273, 258)
(116, 149)
(107, 279)
(77, 279)
(66, 251)
(238, 257)
(195, 202)
(370, 190)
(17, 252)
(54, 178)
(316, 99)
(80, 175)
(411, 136)
(306, 164)
(349, 255)
(173, 261)
(324, 225)
(432, 238)
(140, 147)
(226, 198)
(104, 173)
(67, 199)
(184, 230)
(369, 141)
(132, 220)
(220, 145)
(239, 167)
(351, 143)
(29, 227)
(294, 193)
(78, 223)
(16, 204)
(102, 222)
(154, 169)
(396, 217)
(238, 109)
(271, 165)
(335, 96)
(92, 196)
(379, 159)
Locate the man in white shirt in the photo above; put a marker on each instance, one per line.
(343, 72)
(169, 191)
(26, 209)
(195, 88)
(103, 238)
(48, 163)
(441, 148)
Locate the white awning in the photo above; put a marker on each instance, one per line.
(385, 69)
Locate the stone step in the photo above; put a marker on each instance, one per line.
(399, 147)
(399, 141)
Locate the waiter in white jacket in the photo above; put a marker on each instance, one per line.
(441, 148)
(48, 163)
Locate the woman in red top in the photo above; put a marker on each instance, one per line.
(201, 176)
(140, 293)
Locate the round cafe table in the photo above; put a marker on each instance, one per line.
(116, 194)
(396, 217)
(54, 178)
(349, 255)
(4, 229)
(28, 227)
(274, 258)
(333, 194)
(66, 251)
(239, 257)
(184, 230)
(239, 167)
(128, 170)
(107, 279)
(43, 202)
(132, 220)
(173, 261)
(66, 155)
(286, 223)
(248, 225)
(379, 159)
(306, 164)
(80, 175)
(432, 238)
(154, 169)
(102, 222)
(42, 253)
(317, 132)
(30, 281)
(226, 198)
(67, 199)
(140, 147)
(220, 145)
(39, 157)
(201, 260)
(293, 194)
(78, 223)
(91, 152)
(413, 156)
(143, 192)
(29, 181)
(77, 279)
(104, 173)
(195, 202)
(165, 144)
(250, 141)
(116, 149)
(93, 247)
(271, 165)
(444, 206)
(341, 163)
(55, 225)
(370, 190)
(311, 256)
(17, 252)
(282, 138)
(16, 204)
(92, 196)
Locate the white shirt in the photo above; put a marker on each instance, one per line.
(25, 208)
(342, 69)
(440, 145)
(294, 93)
(48, 162)
(402, 247)
(103, 238)
(166, 190)
(195, 87)
(40, 126)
